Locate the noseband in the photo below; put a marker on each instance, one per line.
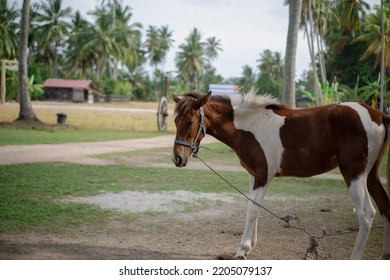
(195, 148)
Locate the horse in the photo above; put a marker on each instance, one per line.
(273, 140)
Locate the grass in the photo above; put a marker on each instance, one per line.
(19, 136)
(32, 194)
(93, 118)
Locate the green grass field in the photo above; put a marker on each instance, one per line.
(25, 136)
(31, 194)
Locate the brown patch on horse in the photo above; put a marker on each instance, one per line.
(311, 149)
(303, 155)
(350, 141)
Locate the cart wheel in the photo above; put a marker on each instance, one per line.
(162, 114)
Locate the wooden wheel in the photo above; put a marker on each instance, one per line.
(162, 114)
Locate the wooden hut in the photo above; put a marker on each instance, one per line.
(71, 90)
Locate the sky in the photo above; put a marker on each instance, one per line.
(245, 28)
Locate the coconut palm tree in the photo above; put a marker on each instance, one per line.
(270, 79)
(153, 47)
(26, 112)
(101, 40)
(212, 48)
(350, 14)
(248, 78)
(77, 61)
(128, 35)
(190, 59)
(372, 35)
(166, 41)
(291, 50)
(54, 27)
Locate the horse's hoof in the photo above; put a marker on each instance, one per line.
(240, 258)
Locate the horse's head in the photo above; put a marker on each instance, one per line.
(190, 126)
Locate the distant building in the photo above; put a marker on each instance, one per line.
(71, 90)
(224, 89)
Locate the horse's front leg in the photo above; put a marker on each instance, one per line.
(249, 237)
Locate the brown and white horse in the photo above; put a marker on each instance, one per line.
(271, 139)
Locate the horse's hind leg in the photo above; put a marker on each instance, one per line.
(365, 212)
(381, 198)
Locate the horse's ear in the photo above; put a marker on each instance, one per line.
(202, 100)
(176, 98)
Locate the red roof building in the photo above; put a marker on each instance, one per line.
(71, 90)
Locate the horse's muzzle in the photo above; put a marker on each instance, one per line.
(178, 161)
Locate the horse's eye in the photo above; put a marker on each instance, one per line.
(190, 122)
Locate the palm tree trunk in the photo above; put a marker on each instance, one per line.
(313, 61)
(382, 57)
(320, 58)
(26, 112)
(291, 52)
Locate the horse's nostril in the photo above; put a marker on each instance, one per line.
(178, 160)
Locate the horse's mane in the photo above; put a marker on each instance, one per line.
(248, 100)
(184, 105)
(252, 100)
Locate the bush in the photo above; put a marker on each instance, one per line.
(115, 87)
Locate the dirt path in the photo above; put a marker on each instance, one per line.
(80, 152)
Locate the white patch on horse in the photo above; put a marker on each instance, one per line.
(251, 115)
(375, 133)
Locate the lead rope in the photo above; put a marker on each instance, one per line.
(312, 251)
(286, 218)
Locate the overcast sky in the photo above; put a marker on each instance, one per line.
(245, 27)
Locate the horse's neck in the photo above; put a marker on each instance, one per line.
(221, 125)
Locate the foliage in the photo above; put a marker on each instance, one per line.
(11, 85)
(115, 87)
(330, 94)
(345, 66)
(270, 78)
(8, 26)
(36, 90)
(110, 44)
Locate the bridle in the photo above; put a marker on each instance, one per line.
(194, 146)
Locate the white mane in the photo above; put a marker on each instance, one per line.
(251, 99)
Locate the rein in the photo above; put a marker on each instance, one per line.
(195, 148)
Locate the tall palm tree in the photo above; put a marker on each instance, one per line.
(291, 50)
(153, 47)
(8, 26)
(77, 61)
(54, 27)
(271, 72)
(248, 78)
(26, 112)
(212, 48)
(128, 35)
(190, 59)
(372, 35)
(351, 12)
(166, 41)
(100, 39)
